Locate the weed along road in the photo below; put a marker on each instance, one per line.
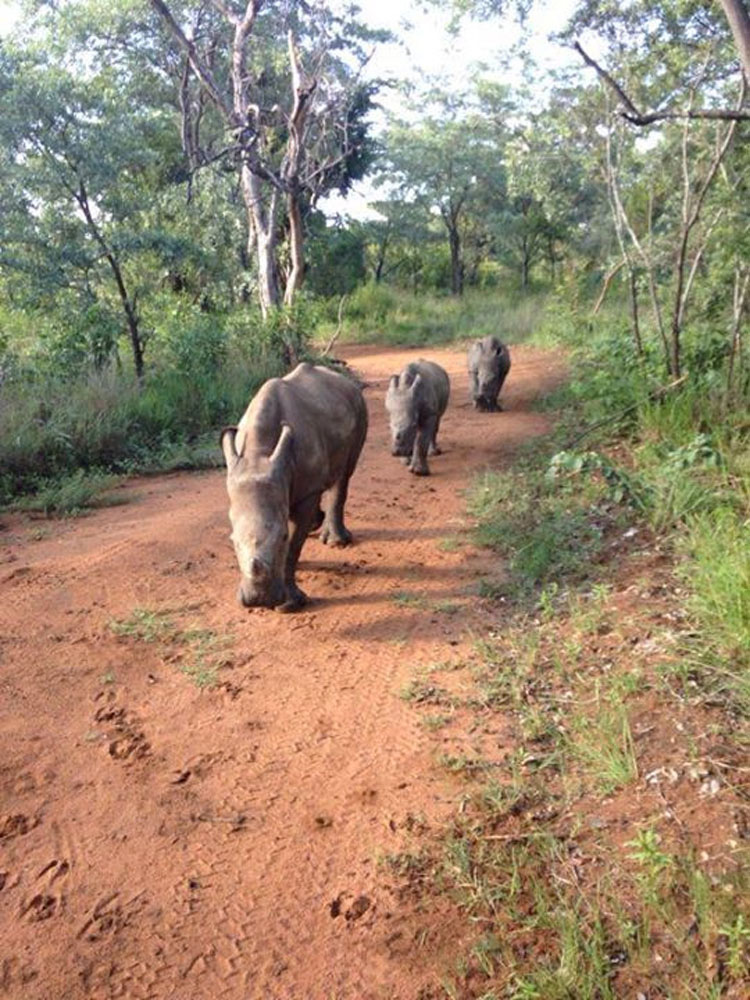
(194, 797)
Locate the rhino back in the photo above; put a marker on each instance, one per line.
(327, 414)
(436, 380)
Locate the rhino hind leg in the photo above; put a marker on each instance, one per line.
(434, 448)
(334, 532)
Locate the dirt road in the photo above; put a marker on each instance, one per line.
(159, 839)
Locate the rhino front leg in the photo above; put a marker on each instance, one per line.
(304, 518)
(425, 434)
(474, 390)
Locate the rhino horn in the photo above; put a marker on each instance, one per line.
(227, 440)
(415, 383)
(394, 382)
(283, 450)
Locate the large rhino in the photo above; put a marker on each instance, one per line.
(300, 435)
(489, 363)
(416, 400)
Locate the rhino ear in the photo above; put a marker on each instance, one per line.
(417, 381)
(228, 446)
(283, 450)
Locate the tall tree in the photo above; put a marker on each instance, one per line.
(78, 162)
(440, 160)
(296, 133)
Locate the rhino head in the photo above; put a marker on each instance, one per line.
(259, 513)
(402, 404)
(486, 371)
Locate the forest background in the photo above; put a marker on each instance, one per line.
(196, 195)
(166, 169)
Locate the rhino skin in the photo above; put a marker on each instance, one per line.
(300, 436)
(489, 364)
(416, 401)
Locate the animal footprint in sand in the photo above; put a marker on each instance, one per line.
(109, 916)
(47, 902)
(126, 739)
(15, 825)
(40, 907)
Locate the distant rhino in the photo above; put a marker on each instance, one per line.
(416, 401)
(489, 363)
(300, 435)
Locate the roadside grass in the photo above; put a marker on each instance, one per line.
(199, 653)
(58, 418)
(422, 691)
(576, 874)
(73, 495)
(603, 851)
(145, 625)
(409, 599)
(380, 314)
(545, 530)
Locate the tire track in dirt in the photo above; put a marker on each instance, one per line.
(195, 845)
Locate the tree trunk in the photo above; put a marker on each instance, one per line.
(634, 312)
(382, 250)
(296, 248)
(128, 304)
(739, 301)
(457, 270)
(262, 223)
(524, 269)
(739, 23)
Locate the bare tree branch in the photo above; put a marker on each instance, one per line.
(226, 11)
(203, 73)
(636, 117)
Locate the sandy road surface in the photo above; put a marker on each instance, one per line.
(162, 841)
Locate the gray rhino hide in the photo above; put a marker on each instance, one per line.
(489, 364)
(300, 435)
(416, 401)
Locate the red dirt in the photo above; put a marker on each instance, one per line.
(162, 841)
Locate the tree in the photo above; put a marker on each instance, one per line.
(440, 162)
(77, 161)
(308, 139)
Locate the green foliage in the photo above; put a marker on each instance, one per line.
(336, 259)
(72, 494)
(52, 425)
(145, 625)
(604, 747)
(547, 530)
(685, 471)
(384, 314)
(716, 549)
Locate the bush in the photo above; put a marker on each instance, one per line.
(205, 372)
(381, 314)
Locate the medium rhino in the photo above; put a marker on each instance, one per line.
(300, 435)
(489, 363)
(416, 401)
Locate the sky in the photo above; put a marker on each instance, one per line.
(427, 49)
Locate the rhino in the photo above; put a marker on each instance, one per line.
(489, 363)
(300, 436)
(416, 400)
